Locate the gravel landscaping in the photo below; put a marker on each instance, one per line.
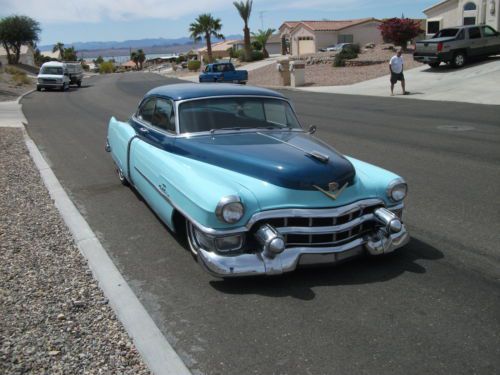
(11, 85)
(54, 317)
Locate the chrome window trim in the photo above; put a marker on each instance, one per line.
(149, 125)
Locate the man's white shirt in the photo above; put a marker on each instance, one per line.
(396, 64)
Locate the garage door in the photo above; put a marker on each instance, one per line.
(306, 46)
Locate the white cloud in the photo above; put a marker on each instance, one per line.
(68, 11)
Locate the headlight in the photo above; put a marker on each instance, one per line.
(397, 190)
(229, 209)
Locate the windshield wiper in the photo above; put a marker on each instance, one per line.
(214, 130)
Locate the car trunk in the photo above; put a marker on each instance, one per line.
(430, 46)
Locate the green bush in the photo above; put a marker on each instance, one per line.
(106, 67)
(346, 54)
(180, 59)
(257, 55)
(194, 65)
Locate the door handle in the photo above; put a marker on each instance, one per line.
(143, 130)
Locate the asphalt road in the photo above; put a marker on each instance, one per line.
(433, 307)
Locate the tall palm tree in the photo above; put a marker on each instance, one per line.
(206, 26)
(245, 9)
(262, 36)
(59, 47)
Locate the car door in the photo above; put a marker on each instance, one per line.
(492, 40)
(151, 155)
(476, 42)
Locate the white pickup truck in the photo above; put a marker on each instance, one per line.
(59, 75)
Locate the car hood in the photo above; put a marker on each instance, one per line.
(281, 158)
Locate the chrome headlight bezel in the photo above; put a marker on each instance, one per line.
(230, 210)
(397, 190)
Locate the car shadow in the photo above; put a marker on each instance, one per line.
(364, 270)
(472, 62)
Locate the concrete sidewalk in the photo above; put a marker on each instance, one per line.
(11, 115)
(475, 83)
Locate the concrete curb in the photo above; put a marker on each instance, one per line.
(23, 95)
(157, 353)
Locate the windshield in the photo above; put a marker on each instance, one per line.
(52, 70)
(236, 113)
(446, 33)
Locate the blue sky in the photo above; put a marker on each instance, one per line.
(104, 20)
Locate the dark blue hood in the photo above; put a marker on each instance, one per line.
(280, 158)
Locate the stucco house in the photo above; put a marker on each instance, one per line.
(220, 50)
(450, 13)
(273, 45)
(304, 37)
(26, 57)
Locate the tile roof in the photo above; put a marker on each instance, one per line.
(220, 46)
(334, 25)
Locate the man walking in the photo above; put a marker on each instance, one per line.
(396, 68)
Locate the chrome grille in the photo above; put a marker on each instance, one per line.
(309, 228)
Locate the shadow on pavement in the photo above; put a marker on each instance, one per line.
(365, 270)
(471, 62)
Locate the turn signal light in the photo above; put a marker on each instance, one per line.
(440, 46)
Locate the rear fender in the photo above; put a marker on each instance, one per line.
(120, 134)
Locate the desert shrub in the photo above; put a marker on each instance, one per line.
(346, 54)
(180, 59)
(257, 55)
(194, 65)
(12, 70)
(106, 67)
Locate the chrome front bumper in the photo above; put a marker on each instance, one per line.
(259, 264)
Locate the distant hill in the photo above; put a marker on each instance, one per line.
(127, 44)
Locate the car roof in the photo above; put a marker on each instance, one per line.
(181, 91)
(53, 63)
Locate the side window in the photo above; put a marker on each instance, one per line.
(474, 33)
(275, 113)
(488, 31)
(460, 35)
(207, 69)
(163, 116)
(146, 111)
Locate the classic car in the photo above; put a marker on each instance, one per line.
(232, 168)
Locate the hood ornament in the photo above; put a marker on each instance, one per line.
(333, 190)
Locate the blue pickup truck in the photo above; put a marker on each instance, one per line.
(223, 72)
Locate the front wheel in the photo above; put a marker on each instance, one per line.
(38, 88)
(459, 60)
(122, 177)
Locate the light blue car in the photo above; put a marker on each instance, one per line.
(231, 168)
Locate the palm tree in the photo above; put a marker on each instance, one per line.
(141, 57)
(59, 47)
(262, 37)
(135, 58)
(245, 9)
(206, 26)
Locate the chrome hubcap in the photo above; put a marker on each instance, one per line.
(459, 60)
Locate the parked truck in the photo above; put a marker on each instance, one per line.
(455, 45)
(59, 75)
(223, 72)
(75, 72)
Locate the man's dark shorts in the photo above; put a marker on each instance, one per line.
(397, 77)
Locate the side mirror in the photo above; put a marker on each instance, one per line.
(312, 129)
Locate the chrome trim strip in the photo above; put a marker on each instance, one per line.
(326, 230)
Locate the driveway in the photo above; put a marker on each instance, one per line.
(478, 83)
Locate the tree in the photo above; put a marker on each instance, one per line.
(59, 47)
(135, 58)
(262, 36)
(69, 54)
(141, 57)
(400, 30)
(245, 9)
(16, 31)
(206, 26)
(99, 60)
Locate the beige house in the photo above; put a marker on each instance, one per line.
(53, 55)
(273, 45)
(305, 37)
(26, 57)
(450, 13)
(220, 50)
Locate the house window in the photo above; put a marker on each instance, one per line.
(470, 6)
(346, 38)
(305, 38)
(469, 21)
(433, 27)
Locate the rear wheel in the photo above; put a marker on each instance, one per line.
(38, 88)
(79, 83)
(434, 64)
(459, 59)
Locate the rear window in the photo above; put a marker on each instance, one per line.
(445, 33)
(474, 33)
